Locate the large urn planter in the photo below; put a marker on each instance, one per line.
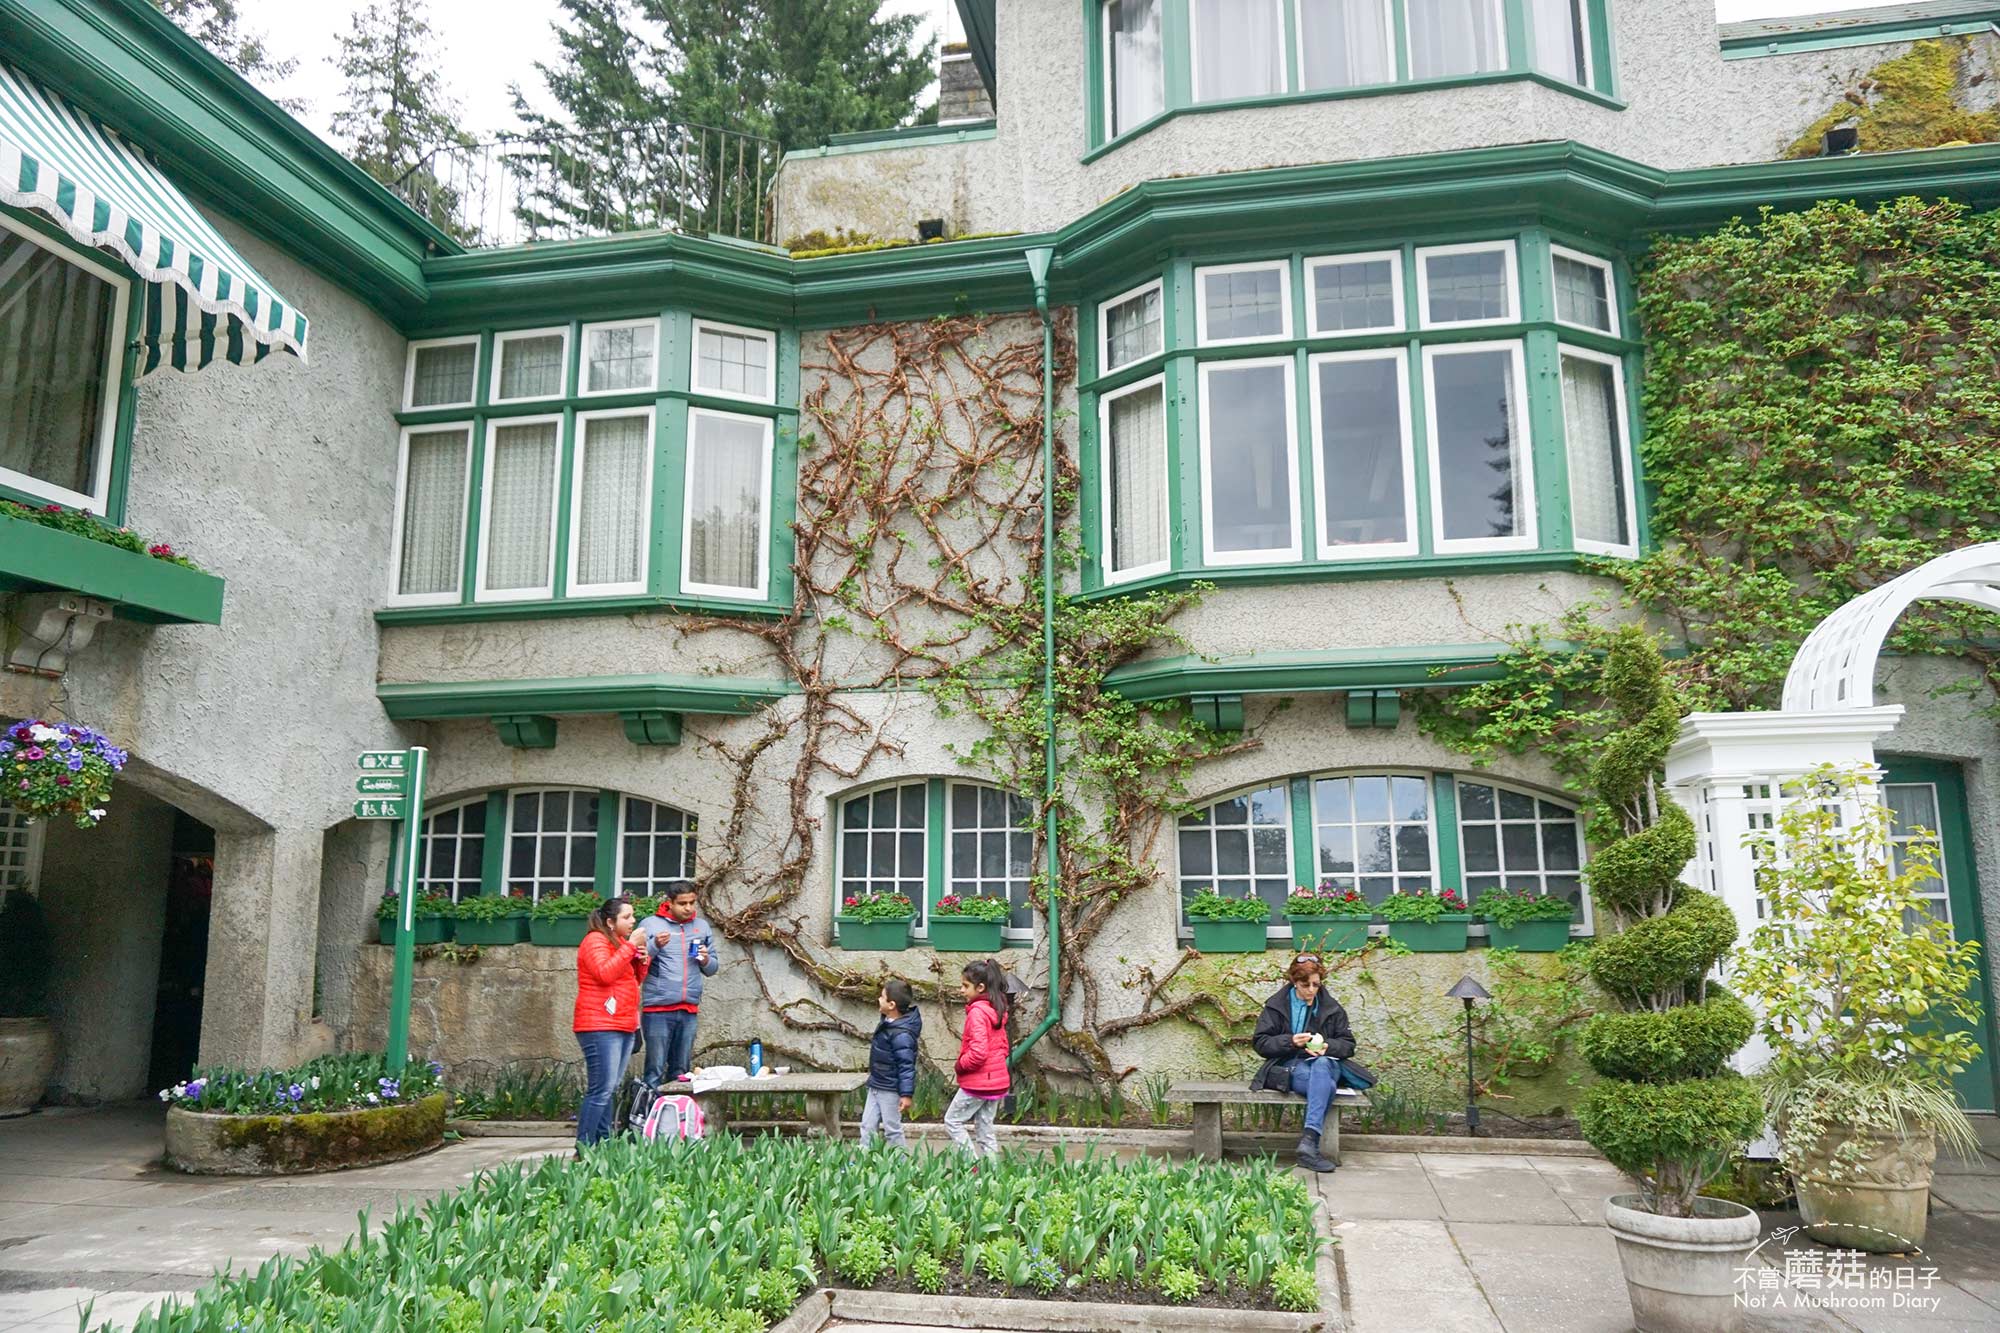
(1447, 934)
(207, 1144)
(1336, 934)
(1879, 1203)
(27, 1062)
(1681, 1273)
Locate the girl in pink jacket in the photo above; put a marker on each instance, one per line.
(982, 1060)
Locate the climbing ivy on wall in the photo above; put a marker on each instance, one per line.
(1913, 101)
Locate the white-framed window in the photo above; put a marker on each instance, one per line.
(620, 357)
(1239, 846)
(442, 373)
(1453, 38)
(1914, 820)
(453, 850)
(1561, 39)
(884, 844)
(62, 329)
(1134, 328)
(1345, 44)
(726, 518)
(1132, 434)
(1135, 80)
(1242, 303)
(517, 509)
(1363, 462)
(611, 502)
(1375, 832)
(656, 847)
(1360, 293)
(1236, 48)
(552, 841)
(1249, 462)
(20, 851)
(1600, 464)
(1514, 839)
(433, 470)
(1482, 467)
(1586, 292)
(1459, 285)
(735, 362)
(529, 364)
(992, 849)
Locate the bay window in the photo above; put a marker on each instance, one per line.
(1449, 38)
(1373, 833)
(1132, 327)
(621, 357)
(1584, 291)
(1345, 43)
(1250, 504)
(430, 516)
(1355, 293)
(1133, 432)
(1600, 469)
(1135, 64)
(517, 522)
(1361, 454)
(1482, 497)
(1238, 48)
(530, 364)
(443, 372)
(612, 502)
(1237, 303)
(1561, 31)
(1466, 284)
(727, 519)
(733, 362)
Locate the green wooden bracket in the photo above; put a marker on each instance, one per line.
(1374, 708)
(651, 726)
(1219, 712)
(526, 731)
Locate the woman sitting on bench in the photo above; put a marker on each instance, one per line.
(1303, 1036)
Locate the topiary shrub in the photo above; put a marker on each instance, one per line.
(1689, 1040)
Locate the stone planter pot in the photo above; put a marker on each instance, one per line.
(27, 1061)
(1229, 936)
(1529, 936)
(962, 935)
(507, 930)
(1879, 1205)
(427, 930)
(1681, 1272)
(262, 1145)
(881, 936)
(1447, 934)
(1339, 934)
(565, 932)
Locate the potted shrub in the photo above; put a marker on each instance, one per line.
(563, 920)
(875, 921)
(1667, 1109)
(1851, 975)
(1228, 925)
(431, 923)
(1524, 919)
(27, 1042)
(1428, 921)
(58, 768)
(1328, 917)
(500, 918)
(969, 925)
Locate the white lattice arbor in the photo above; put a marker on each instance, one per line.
(1835, 667)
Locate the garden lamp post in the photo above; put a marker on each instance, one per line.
(1469, 990)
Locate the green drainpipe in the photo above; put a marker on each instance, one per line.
(1038, 270)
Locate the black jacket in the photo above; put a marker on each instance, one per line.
(892, 1054)
(1273, 1037)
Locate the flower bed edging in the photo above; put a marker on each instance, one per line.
(1066, 1316)
(207, 1144)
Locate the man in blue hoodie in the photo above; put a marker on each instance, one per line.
(683, 950)
(892, 1063)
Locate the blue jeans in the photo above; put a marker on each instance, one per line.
(1315, 1078)
(605, 1055)
(669, 1045)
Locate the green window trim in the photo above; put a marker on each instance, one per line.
(939, 827)
(1176, 37)
(608, 868)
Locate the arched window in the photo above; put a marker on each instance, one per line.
(1372, 832)
(454, 850)
(1516, 840)
(883, 836)
(993, 848)
(656, 847)
(933, 837)
(1239, 846)
(552, 841)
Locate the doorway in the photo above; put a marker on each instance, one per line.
(183, 952)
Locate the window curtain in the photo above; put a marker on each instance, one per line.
(1344, 43)
(1138, 479)
(1451, 37)
(1558, 38)
(1239, 48)
(55, 338)
(620, 359)
(531, 367)
(726, 502)
(522, 492)
(433, 513)
(443, 375)
(1596, 479)
(1138, 75)
(612, 501)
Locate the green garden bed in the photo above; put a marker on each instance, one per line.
(608, 1242)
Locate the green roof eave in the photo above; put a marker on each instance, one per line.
(437, 701)
(1330, 669)
(138, 587)
(979, 18)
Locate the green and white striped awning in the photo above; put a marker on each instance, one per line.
(203, 300)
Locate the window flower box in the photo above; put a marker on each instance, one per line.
(1329, 918)
(1529, 936)
(878, 922)
(431, 925)
(1427, 922)
(561, 922)
(1526, 920)
(1223, 924)
(969, 925)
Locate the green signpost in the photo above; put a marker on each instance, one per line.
(392, 787)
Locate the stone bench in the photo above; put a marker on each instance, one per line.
(822, 1093)
(1206, 1100)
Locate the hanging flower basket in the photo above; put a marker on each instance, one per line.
(57, 768)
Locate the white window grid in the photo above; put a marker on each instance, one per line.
(1319, 264)
(1282, 267)
(452, 852)
(1543, 839)
(643, 498)
(1510, 276)
(1386, 826)
(450, 595)
(656, 846)
(1560, 255)
(1916, 818)
(546, 588)
(20, 851)
(1330, 548)
(647, 339)
(991, 851)
(502, 341)
(551, 841)
(1525, 536)
(725, 367)
(884, 845)
(1622, 448)
(1151, 332)
(1270, 555)
(1257, 823)
(1152, 384)
(761, 588)
(410, 376)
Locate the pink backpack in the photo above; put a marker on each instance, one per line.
(675, 1116)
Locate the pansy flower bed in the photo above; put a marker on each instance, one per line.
(58, 768)
(329, 1083)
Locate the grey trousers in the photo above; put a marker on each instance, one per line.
(883, 1113)
(969, 1121)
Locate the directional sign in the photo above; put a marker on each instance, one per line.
(387, 784)
(389, 809)
(383, 761)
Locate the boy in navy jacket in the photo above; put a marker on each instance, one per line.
(892, 1063)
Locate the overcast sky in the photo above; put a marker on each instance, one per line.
(491, 44)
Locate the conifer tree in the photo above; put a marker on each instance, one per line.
(214, 23)
(397, 110)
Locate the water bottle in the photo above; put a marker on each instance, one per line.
(756, 1058)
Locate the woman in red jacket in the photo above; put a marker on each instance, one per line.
(982, 1060)
(610, 966)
